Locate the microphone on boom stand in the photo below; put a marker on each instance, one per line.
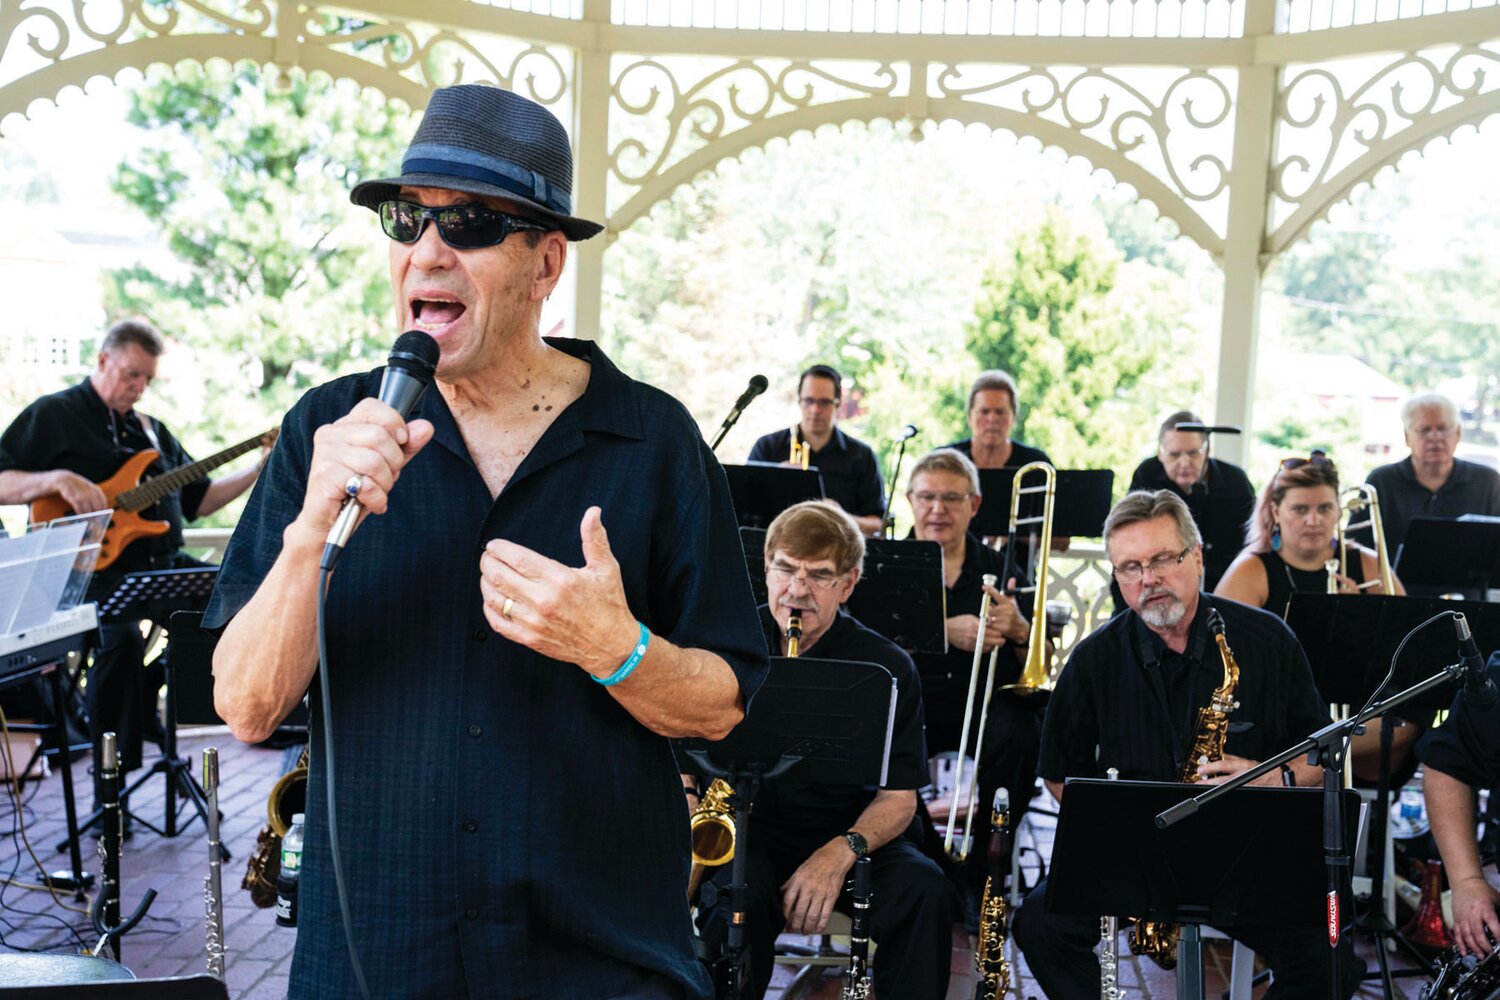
(757, 386)
(905, 434)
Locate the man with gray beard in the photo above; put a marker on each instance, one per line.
(1129, 699)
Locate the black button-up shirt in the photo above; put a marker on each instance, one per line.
(478, 779)
(794, 818)
(850, 471)
(1467, 745)
(1470, 489)
(75, 430)
(1125, 701)
(1020, 454)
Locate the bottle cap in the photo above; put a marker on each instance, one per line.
(298, 818)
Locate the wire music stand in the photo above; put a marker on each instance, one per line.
(155, 595)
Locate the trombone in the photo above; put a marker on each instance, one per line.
(1035, 675)
(1359, 498)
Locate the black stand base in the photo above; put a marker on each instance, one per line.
(63, 881)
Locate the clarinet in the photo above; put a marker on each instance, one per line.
(857, 981)
(213, 894)
(107, 906)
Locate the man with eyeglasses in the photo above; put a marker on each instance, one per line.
(62, 445)
(505, 674)
(805, 837)
(944, 494)
(1129, 698)
(1183, 463)
(1430, 482)
(850, 471)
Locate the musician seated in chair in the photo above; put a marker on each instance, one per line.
(805, 838)
(1129, 699)
(65, 443)
(1292, 538)
(1458, 757)
(943, 491)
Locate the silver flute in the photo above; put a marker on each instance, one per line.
(1109, 956)
(213, 889)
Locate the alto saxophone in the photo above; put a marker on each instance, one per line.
(989, 952)
(213, 889)
(1159, 940)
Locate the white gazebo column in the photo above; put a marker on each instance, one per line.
(1249, 190)
(591, 90)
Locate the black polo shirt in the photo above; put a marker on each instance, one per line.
(73, 429)
(1125, 701)
(1020, 454)
(1467, 745)
(963, 599)
(508, 828)
(1470, 489)
(1220, 479)
(795, 818)
(850, 471)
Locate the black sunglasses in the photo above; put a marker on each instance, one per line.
(462, 227)
(1314, 458)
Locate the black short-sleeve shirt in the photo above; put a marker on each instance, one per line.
(850, 471)
(1125, 701)
(508, 828)
(73, 429)
(1020, 454)
(1470, 489)
(1467, 745)
(798, 817)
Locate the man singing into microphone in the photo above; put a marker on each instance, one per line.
(553, 588)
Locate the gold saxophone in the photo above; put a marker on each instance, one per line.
(1157, 940)
(989, 952)
(287, 798)
(712, 824)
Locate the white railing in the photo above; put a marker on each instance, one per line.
(1027, 18)
(207, 544)
(1297, 16)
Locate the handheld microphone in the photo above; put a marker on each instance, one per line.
(1479, 690)
(907, 433)
(408, 372)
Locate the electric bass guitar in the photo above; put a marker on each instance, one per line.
(128, 495)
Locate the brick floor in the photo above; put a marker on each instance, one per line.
(170, 940)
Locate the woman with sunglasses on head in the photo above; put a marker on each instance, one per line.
(1291, 538)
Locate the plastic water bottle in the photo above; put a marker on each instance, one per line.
(291, 870)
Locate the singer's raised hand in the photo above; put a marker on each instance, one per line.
(576, 615)
(371, 441)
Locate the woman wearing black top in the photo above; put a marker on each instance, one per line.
(1290, 539)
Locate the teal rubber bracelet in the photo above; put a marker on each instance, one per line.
(631, 662)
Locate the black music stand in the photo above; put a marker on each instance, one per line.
(1443, 555)
(155, 595)
(1257, 859)
(830, 719)
(761, 490)
(1079, 508)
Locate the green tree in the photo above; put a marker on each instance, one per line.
(281, 282)
(1089, 338)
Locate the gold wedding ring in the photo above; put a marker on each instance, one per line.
(505, 608)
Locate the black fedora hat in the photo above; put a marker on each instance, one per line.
(483, 140)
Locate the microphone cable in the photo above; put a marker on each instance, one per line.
(325, 576)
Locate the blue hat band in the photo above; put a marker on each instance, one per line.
(539, 190)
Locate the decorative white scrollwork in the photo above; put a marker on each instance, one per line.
(1339, 123)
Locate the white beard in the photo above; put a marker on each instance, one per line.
(1162, 615)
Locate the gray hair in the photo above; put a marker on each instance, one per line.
(1148, 505)
(1425, 401)
(133, 331)
(947, 460)
(1180, 417)
(995, 379)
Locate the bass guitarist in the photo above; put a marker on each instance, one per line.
(65, 443)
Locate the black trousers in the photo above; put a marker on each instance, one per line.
(115, 695)
(911, 919)
(1060, 951)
